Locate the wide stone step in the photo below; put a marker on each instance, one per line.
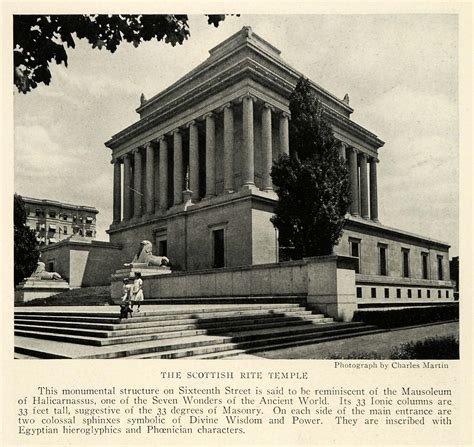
(155, 316)
(228, 300)
(132, 323)
(287, 343)
(231, 335)
(210, 327)
(167, 310)
(221, 350)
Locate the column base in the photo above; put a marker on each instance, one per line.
(355, 214)
(208, 196)
(248, 186)
(375, 220)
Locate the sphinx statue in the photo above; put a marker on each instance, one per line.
(145, 256)
(41, 273)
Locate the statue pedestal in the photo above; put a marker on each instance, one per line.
(32, 288)
(129, 272)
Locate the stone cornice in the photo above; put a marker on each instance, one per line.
(378, 228)
(248, 68)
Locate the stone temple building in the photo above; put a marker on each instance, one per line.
(192, 175)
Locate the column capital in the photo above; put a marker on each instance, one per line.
(341, 143)
(135, 151)
(208, 115)
(285, 115)
(191, 123)
(247, 95)
(116, 160)
(175, 131)
(363, 155)
(353, 149)
(227, 105)
(266, 105)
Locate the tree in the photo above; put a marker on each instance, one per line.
(26, 252)
(312, 183)
(40, 39)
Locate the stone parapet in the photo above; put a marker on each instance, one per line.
(31, 288)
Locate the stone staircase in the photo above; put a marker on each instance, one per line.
(182, 329)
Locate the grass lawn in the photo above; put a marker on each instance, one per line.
(382, 343)
(86, 296)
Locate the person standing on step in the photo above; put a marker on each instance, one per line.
(137, 290)
(125, 309)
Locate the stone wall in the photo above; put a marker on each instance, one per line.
(83, 264)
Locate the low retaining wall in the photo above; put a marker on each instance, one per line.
(328, 282)
(381, 291)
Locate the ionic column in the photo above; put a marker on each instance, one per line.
(228, 148)
(178, 167)
(127, 209)
(342, 150)
(364, 204)
(210, 155)
(354, 182)
(194, 160)
(117, 192)
(150, 178)
(374, 212)
(163, 173)
(284, 140)
(137, 184)
(248, 169)
(267, 146)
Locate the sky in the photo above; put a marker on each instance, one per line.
(400, 71)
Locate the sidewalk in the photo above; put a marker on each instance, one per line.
(382, 343)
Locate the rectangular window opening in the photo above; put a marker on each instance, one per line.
(373, 292)
(387, 293)
(359, 292)
(399, 293)
(219, 248)
(409, 293)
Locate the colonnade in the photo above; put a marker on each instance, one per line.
(363, 186)
(139, 193)
(138, 185)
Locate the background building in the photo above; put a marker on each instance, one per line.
(54, 221)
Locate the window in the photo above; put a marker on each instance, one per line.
(399, 293)
(39, 213)
(424, 265)
(355, 252)
(409, 293)
(52, 214)
(163, 248)
(89, 233)
(51, 266)
(428, 294)
(440, 268)
(406, 262)
(52, 228)
(64, 216)
(419, 293)
(387, 293)
(359, 292)
(38, 226)
(65, 230)
(373, 292)
(439, 293)
(447, 293)
(383, 260)
(219, 248)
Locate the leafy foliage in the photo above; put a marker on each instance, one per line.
(432, 348)
(39, 40)
(26, 252)
(312, 183)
